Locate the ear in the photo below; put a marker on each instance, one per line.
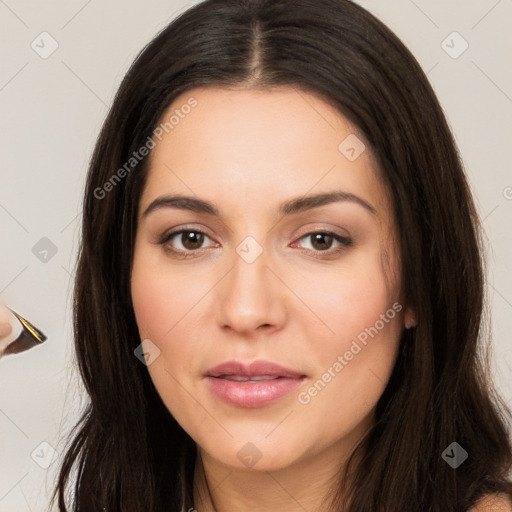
(410, 318)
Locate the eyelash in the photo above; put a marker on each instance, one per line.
(329, 253)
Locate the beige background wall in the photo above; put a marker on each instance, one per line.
(51, 111)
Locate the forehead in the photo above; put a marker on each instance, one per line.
(262, 146)
(251, 121)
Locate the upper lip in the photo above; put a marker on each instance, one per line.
(254, 369)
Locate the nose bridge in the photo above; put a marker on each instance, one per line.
(249, 295)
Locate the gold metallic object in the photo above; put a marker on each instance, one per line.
(29, 336)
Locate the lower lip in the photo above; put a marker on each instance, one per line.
(252, 394)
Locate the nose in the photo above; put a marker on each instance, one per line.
(251, 298)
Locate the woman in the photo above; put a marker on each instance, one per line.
(279, 292)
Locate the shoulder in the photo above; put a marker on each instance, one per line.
(493, 503)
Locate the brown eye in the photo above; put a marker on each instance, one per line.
(184, 241)
(192, 239)
(322, 241)
(187, 243)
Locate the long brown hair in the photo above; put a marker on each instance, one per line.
(128, 451)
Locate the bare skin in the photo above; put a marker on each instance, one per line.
(300, 304)
(5, 326)
(5, 330)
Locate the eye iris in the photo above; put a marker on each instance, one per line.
(192, 239)
(318, 237)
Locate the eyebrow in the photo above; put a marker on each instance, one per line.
(289, 207)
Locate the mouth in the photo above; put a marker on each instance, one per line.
(255, 385)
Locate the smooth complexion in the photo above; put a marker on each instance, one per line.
(300, 304)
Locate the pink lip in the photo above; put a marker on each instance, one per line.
(252, 394)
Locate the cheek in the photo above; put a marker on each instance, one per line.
(348, 300)
(166, 302)
(361, 323)
(161, 302)
(161, 297)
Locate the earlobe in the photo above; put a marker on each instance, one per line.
(410, 318)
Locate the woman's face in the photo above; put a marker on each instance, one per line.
(266, 273)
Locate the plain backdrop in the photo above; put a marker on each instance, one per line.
(52, 108)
